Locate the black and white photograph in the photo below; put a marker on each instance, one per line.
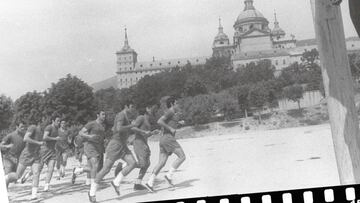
(144, 101)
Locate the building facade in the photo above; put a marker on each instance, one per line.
(253, 40)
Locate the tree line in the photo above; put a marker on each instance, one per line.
(215, 90)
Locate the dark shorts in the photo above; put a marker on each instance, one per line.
(10, 163)
(46, 154)
(168, 144)
(142, 152)
(116, 150)
(91, 151)
(28, 158)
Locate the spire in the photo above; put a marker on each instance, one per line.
(249, 5)
(221, 30)
(276, 23)
(126, 42)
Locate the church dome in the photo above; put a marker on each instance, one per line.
(250, 14)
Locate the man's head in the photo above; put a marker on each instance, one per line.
(21, 127)
(100, 115)
(129, 106)
(55, 120)
(63, 123)
(172, 102)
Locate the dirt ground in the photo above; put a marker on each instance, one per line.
(228, 162)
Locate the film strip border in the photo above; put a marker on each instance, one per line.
(346, 193)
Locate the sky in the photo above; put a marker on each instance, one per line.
(44, 40)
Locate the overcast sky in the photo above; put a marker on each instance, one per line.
(43, 40)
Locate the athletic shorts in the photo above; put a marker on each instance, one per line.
(28, 158)
(168, 144)
(142, 152)
(116, 150)
(47, 154)
(91, 151)
(10, 163)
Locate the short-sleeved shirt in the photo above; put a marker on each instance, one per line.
(18, 143)
(121, 119)
(53, 132)
(170, 120)
(63, 143)
(142, 123)
(97, 129)
(35, 134)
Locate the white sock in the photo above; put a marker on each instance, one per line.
(46, 187)
(34, 191)
(62, 169)
(79, 170)
(171, 172)
(124, 165)
(88, 181)
(151, 180)
(6, 177)
(118, 179)
(93, 187)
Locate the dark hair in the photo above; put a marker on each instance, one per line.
(98, 112)
(17, 123)
(128, 102)
(55, 116)
(170, 101)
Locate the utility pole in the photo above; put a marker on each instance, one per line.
(339, 89)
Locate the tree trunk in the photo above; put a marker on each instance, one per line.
(298, 101)
(339, 89)
(246, 114)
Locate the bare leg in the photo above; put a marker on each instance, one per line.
(50, 171)
(105, 170)
(14, 176)
(163, 157)
(181, 157)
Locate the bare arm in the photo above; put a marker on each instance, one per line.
(48, 138)
(28, 139)
(84, 133)
(6, 144)
(162, 123)
(119, 127)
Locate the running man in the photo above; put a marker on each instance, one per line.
(29, 157)
(12, 145)
(47, 151)
(94, 134)
(117, 149)
(62, 147)
(142, 131)
(168, 144)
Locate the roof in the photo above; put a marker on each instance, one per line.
(104, 84)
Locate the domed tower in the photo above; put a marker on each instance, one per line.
(126, 60)
(252, 32)
(221, 45)
(277, 32)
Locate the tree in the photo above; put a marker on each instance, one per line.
(72, 98)
(194, 86)
(258, 97)
(28, 108)
(226, 103)
(310, 57)
(294, 93)
(255, 72)
(197, 110)
(354, 60)
(6, 112)
(241, 92)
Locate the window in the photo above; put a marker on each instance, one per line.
(352, 45)
(141, 65)
(160, 64)
(276, 62)
(169, 63)
(197, 60)
(284, 62)
(151, 64)
(178, 61)
(221, 42)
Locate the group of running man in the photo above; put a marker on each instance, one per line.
(33, 148)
